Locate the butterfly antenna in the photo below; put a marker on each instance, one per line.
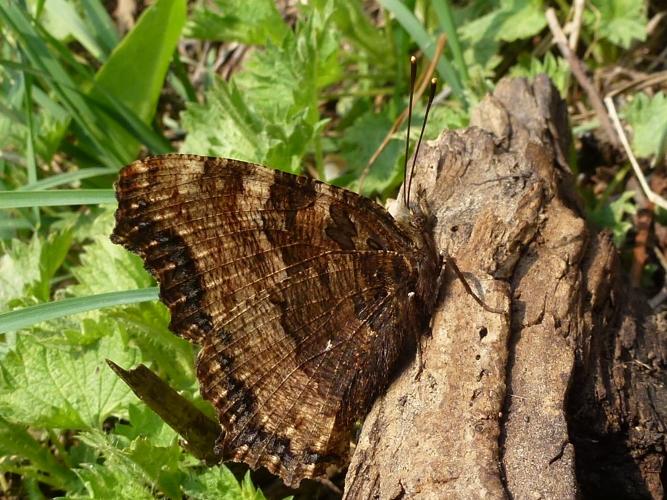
(431, 96)
(413, 78)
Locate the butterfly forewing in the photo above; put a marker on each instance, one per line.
(298, 292)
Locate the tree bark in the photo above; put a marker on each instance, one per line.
(564, 394)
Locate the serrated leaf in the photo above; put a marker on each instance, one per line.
(51, 385)
(648, 118)
(359, 143)
(619, 21)
(159, 463)
(269, 112)
(19, 266)
(512, 20)
(113, 481)
(612, 215)
(219, 483)
(147, 325)
(235, 20)
(144, 422)
(556, 68)
(105, 266)
(26, 269)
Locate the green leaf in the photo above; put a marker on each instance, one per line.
(28, 268)
(159, 463)
(105, 266)
(147, 325)
(269, 112)
(360, 142)
(512, 20)
(219, 483)
(43, 58)
(18, 445)
(356, 27)
(61, 19)
(134, 73)
(233, 20)
(117, 477)
(619, 21)
(612, 215)
(144, 422)
(53, 385)
(555, 68)
(412, 25)
(19, 266)
(53, 254)
(648, 118)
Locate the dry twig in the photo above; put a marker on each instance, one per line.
(652, 197)
(580, 74)
(578, 8)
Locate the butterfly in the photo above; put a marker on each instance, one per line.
(303, 297)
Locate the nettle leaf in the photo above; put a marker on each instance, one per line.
(159, 463)
(512, 20)
(612, 215)
(172, 357)
(269, 113)
(619, 21)
(148, 468)
(144, 422)
(556, 68)
(55, 385)
(218, 483)
(105, 266)
(19, 266)
(26, 269)
(253, 22)
(358, 145)
(450, 116)
(648, 118)
(117, 477)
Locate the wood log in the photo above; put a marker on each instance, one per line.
(564, 394)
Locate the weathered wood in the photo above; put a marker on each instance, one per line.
(524, 404)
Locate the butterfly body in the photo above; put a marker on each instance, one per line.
(303, 297)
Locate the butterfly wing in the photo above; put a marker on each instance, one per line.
(297, 291)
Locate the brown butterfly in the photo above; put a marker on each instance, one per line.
(302, 296)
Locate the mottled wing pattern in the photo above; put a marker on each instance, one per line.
(297, 292)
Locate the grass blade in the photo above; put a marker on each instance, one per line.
(32, 44)
(56, 198)
(22, 318)
(67, 178)
(414, 28)
(444, 11)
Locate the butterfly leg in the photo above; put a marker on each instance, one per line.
(451, 262)
(418, 345)
(420, 360)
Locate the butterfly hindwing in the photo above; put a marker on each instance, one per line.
(297, 291)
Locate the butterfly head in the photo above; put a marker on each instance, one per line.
(417, 216)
